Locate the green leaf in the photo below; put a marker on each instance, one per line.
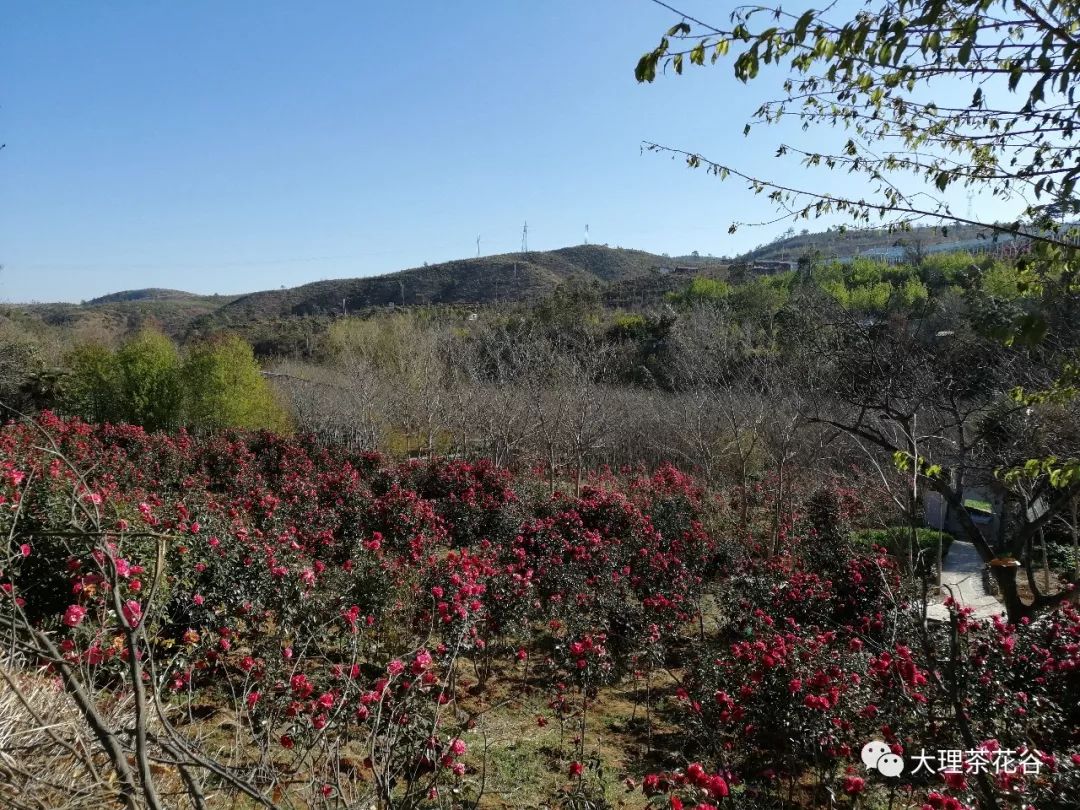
(965, 52)
(803, 24)
(646, 66)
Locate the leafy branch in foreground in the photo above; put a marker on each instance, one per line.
(874, 77)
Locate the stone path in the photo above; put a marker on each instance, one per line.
(962, 577)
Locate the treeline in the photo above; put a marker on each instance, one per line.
(716, 378)
(148, 380)
(711, 379)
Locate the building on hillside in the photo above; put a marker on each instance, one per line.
(773, 265)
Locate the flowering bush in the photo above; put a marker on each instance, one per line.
(345, 609)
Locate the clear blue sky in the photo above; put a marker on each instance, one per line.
(234, 146)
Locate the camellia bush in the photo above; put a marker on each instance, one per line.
(254, 619)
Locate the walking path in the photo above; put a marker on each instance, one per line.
(962, 578)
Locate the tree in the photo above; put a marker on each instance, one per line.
(146, 375)
(873, 78)
(22, 370)
(145, 382)
(223, 387)
(92, 384)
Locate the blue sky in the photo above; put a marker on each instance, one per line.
(229, 147)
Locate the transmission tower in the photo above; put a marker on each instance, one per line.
(478, 246)
(525, 238)
(586, 234)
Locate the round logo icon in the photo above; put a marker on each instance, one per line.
(872, 752)
(891, 765)
(877, 756)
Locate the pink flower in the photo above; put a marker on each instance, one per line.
(197, 599)
(24, 549)
(395, 667)
(576, 769)
(422, 662)
(132, 613)
(458, 747)
(73, 615)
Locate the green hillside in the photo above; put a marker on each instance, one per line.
(850, 242)
(490, 279)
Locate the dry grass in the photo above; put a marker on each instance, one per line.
(49, 758)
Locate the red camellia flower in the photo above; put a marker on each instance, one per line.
(576, 769)
(421, 662)
(853, 785)
(650, 785)
(73, 615)
(132, 612)
(955, 780)
(717, 787)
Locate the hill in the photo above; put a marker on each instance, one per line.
(287, 320)
(849, 243)
(509, 277)
(148, 294)
(173, 311)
